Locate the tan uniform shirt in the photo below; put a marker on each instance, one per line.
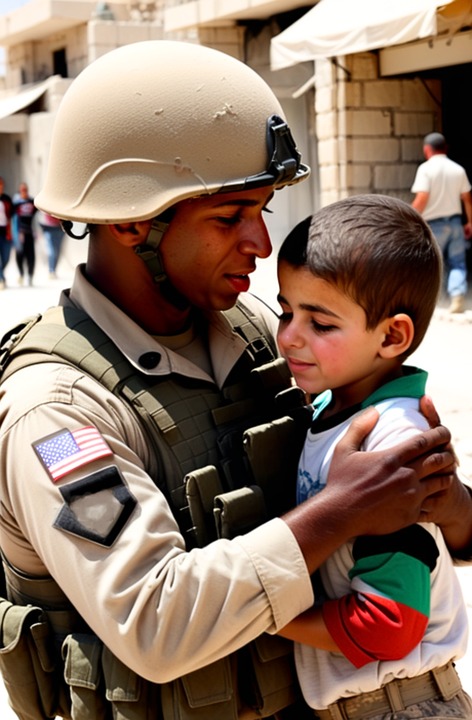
(163, 611)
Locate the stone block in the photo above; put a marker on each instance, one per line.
(328, 152)
(417, 97)
(412, 148)
(349, 94)
(325, 99)
(413, 124)
(362, 66)
(366, 122)
(326, 125)
(329, 177)
(356, 177)
(383, 93)
(373, 150)
(394, 177)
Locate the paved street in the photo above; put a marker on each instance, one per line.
(446, 353)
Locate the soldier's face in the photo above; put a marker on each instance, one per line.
(212, 245)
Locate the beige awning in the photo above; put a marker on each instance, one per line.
(13, 103)
(342, 27)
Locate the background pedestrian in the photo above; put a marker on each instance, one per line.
(54, 236)
(442, 195)
(25, 210)
(6, 210)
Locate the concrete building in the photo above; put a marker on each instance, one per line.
(358, 104)
(47, 43)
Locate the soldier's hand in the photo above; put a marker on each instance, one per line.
(383, 491)
(451, 509)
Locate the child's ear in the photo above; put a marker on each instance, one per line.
(399, 334)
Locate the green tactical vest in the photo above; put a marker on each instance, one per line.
(224, 456)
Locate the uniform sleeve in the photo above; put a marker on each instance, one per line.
(386, 614)
(101, 528)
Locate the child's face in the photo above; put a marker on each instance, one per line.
(323, 337)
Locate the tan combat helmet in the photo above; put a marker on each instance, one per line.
(155, 122)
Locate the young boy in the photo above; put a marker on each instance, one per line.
(358, 286)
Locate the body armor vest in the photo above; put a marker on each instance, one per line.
(224, 456)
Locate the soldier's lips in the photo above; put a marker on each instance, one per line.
(239, 282)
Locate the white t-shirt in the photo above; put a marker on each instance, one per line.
(445, 181)
(327, 676)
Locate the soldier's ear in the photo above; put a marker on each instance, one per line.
(131, 233)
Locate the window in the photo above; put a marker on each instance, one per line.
(59, 60)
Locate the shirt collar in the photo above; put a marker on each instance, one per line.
(225, 346)
(411, 384)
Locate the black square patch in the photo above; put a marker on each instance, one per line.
(96, 507)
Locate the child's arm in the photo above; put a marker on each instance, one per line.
(386, 614)
(310, 629)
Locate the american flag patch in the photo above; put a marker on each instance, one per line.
(66, 451)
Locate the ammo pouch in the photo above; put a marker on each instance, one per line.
(271, 451)
(262, 673)
(99, 682)
(27, 661)
(273, 674)
(102, 687)
(205, 694)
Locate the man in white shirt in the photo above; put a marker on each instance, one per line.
(442, 189)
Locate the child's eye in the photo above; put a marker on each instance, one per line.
(285, 317)
(320, 328)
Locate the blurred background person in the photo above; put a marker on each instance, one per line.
(24, 238)
(6, 209)
(442, 195)
(53, 236)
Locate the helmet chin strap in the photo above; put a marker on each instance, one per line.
(150, 255)
(68, 226)
(149, 251)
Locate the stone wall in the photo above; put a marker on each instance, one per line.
(370, 129)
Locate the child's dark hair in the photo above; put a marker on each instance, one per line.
(379, 251)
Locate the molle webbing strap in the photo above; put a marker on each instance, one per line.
(261, 347)
(67, 335)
